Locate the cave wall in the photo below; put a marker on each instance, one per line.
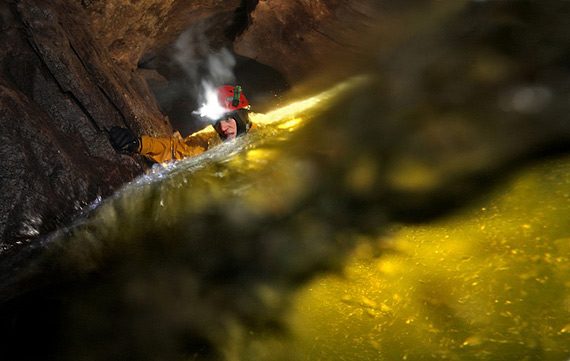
(60, 90)
(133, 30)
(296, 37)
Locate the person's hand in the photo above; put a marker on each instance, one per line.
(124, 140)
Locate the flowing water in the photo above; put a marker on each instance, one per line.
(274, 247)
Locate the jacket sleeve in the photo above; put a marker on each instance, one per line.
(163, 149)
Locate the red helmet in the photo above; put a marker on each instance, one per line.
(237, 106)
(232, 97)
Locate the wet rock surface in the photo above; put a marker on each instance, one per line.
(60, 91)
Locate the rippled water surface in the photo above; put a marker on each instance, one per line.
(213, 247)
(489, 283)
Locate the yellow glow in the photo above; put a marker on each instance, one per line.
(389, 267)
(488, 284)
(294, 114)
(260, 154)
(291, 124)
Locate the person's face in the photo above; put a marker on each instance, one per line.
(228, 127)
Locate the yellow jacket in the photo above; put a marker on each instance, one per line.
(163, 149)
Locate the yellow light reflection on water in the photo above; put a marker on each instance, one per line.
(489, 284)
(295, 113)
(276, 172)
